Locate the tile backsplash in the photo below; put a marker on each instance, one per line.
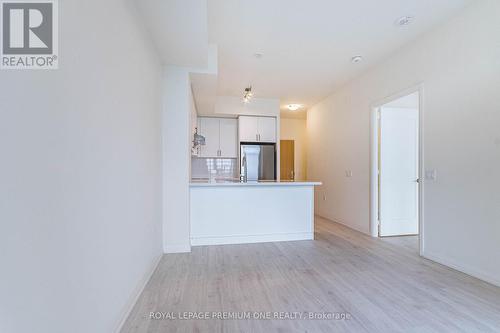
(214, 168)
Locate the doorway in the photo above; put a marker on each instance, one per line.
(398, 161)
(287, 160)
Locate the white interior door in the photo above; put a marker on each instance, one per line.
(398, 171)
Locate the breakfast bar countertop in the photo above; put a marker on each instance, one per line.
(225, 182)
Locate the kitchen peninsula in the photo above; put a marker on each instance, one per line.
(251, 212)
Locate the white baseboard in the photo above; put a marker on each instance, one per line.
(177, 248)
(197, 241)
(462, 268)
(136, 293)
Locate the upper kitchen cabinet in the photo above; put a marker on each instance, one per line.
(257, 129)
(228, 143)
(220, 137)
(248, 129)
(209, 128)
(267, 129)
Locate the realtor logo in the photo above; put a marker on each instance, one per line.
(29, 34)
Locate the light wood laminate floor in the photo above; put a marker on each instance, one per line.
(382, 283)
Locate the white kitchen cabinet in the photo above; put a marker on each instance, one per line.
(209, 128)
(228, 138)
(248, 129)
(221, 138)
(257, 129)
(267, 129)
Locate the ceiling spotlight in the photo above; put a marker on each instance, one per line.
(294, 107)
(247, 94)
(404, 20)
(356, 59)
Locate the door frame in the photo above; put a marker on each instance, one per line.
(374, 160)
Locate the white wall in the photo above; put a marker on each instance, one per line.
(178, 118)
(176, 126)
(80, 175)
(459, 66)
(193, 114)
(295, 129)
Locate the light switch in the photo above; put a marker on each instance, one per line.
(430, 174)
(348, 173)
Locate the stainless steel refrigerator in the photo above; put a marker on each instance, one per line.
(257, 162)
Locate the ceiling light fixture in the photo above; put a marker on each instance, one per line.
(294, 107)
(356, 59)
(404, 21)
(248, 94)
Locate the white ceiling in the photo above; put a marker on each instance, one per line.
(307, 45)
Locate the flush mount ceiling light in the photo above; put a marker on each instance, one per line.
(404, 21)
(294, 107)
(247, 94)
(356, 59)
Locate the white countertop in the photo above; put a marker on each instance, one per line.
(217, 183)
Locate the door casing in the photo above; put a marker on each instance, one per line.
(374, 158)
